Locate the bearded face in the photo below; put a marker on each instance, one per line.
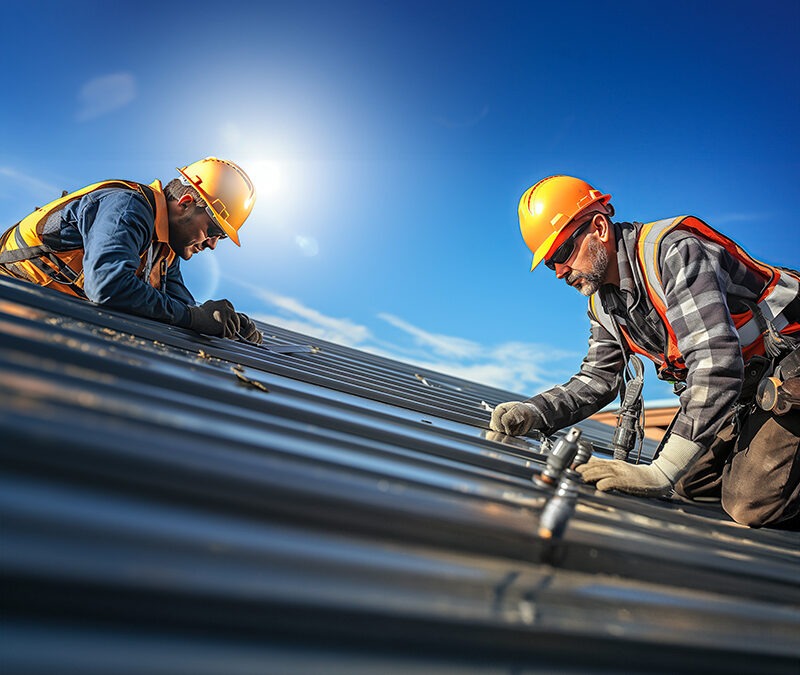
(587, 282)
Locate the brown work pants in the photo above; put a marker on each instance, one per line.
(755, 474)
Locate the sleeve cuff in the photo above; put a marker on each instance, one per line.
(677, 456)
(183, 317)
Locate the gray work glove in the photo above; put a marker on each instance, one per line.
(515, 418)
(248, 331)
(643, 480)
(214, 317)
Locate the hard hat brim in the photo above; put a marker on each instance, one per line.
(233, 235)
(543, 249)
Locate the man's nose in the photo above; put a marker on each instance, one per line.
(561, 271)
(211, 242)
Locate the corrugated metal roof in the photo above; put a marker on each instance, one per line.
(173, 503)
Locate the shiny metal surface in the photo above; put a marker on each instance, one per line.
(173, 503)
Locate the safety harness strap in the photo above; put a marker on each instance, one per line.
(149, 195)
(649, 245)
(26, 253)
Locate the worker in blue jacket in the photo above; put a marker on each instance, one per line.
(119, 244)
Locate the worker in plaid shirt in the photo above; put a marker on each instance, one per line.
(712, 319)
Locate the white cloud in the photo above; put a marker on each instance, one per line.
(516, 366)
(525, 368)
(307, 320)
(105, 94)
(444, 345)
(29, 183)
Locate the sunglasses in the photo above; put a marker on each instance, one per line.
(214, 230)
(563, 252)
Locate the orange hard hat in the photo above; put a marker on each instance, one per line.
(549, 206)
(226, 189)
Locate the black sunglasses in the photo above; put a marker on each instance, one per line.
(563, 252)
(214, 230)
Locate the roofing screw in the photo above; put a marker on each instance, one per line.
(558, 510)
(559, 459)
(585, 451)
(572, 452)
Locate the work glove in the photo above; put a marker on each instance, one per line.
(248, 331)
(643, 480)
(214, 317)
(515, 418)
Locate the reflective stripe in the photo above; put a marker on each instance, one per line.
(750, 332)
(784, 292)
(649, 245)
(603, 318)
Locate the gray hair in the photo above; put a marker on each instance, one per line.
(177, 188)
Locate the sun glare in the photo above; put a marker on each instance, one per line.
(269, 178)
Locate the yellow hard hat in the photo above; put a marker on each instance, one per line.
(549, 206)
(226, 189)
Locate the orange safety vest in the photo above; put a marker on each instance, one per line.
(780, 288)
(24, 253)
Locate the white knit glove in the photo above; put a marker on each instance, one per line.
(643, 480)
(515, 418)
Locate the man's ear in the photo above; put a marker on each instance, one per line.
(603, 226)
(186, 199)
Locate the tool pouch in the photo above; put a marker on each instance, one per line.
(780, 393)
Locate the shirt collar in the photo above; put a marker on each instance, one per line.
(627, 295)
(626, 256)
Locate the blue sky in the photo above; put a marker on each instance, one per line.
(390, 143)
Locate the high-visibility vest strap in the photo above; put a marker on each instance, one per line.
(667, 369)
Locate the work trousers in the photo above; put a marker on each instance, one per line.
(755, 473)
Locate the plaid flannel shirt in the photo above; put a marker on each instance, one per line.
(703, 284)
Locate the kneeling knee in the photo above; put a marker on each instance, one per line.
(698, 491)
(749, 515)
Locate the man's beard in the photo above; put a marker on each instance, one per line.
(593, 279)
